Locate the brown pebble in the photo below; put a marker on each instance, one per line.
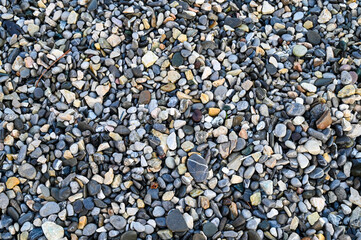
(144, 97)
(291, 126)
(297, 66)
(299, 88)
(324, 121)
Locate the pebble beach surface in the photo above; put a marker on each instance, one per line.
(194, 119)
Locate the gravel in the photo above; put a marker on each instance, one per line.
(180, 120)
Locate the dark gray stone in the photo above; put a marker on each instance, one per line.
(175, 221)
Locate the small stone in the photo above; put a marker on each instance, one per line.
(271, 69)
(213, 111)
(318, 203)
(73, 17)
(313, 218)
(89, 229)
(267, 186)
(313, 147)
(144, 97)
(308, 24)
(325, 16)
(233, 22)
(18, 64)
(52, 231)
(309, 87)
(149, 59)
(38, 93)
(82, 222)
(255, 199)
(324, 121)
(33, 28)
(168, 87)
(177, 59)
(313, 37)
(355, 197)
(114, 40)
(68, 95)
(4, 201)
(299, 50)
(164, 234)
(173, 76)
(197, 167)
(129, 235)
(295, 109)
(12, 182)
(92, 5)
(302, 160)
(172, 141)
(346, 78)
(298, 16)
(280, 130)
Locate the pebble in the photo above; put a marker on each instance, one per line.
(299, 50)
(197, 167)
(52, 231)
(175, 221)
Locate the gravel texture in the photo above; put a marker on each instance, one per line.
(194, 119)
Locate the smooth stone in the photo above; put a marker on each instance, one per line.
(197, 167)
(295, 109)
(89, 229)
(299, 50)
(233, 22)
(27, 171)
(93, 5)
(175, 221)
(144, 97)
(38, 93)
(4, 201)
(49, 208)
(209, 229)
(271, 69)
(118, 222)
(313, 37)
(52, 231)
(177, 59)
(129, 235)
(280, 130)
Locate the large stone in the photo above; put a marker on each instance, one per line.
(299, 50)
(52, 231)
(49, 208)
(295, 109)
(197, 167)
(149, 59)
(4, 201)
(27, 171)
(118, 222)
(175, 221)
(267, 186)
(355, 197)
(325, 16)
(267, 8)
